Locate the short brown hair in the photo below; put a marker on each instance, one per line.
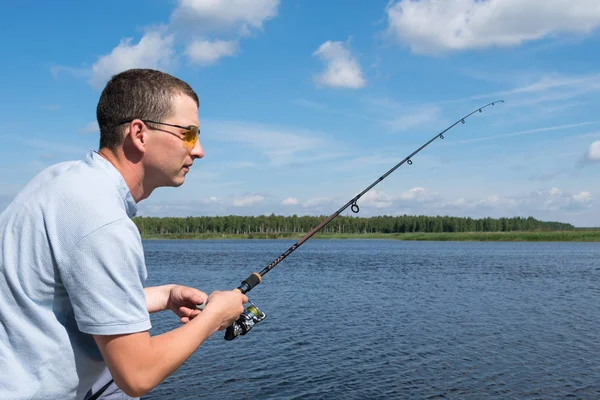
(137, 93)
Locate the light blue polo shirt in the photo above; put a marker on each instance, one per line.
(71, 265)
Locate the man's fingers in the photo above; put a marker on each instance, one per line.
(185, 311)
(188, 312)
(194, 295)
(187, 315)
(186, 293)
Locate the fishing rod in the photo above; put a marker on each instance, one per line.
(252, 315)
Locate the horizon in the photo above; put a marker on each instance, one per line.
(303, 105)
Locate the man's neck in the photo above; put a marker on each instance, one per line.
(131, 172)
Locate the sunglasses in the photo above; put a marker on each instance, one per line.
(190, 135)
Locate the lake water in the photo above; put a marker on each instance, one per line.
(377, 319)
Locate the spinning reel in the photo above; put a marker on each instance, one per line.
(250, 317)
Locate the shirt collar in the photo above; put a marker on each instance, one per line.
(96, 161)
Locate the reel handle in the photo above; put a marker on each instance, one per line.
(251, 315)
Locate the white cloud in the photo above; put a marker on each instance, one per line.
(459, 201)
(206, 52)
(290, 201)
(530, 131)
(282, 146)
(149, 209)
(56, 70)
(365, 162)
(412, 199)
(248, 201)
(91, 127)
(593, 153)
(211, 200)
(493, 199)
(342, 70)
(418, 117)
(311, 104)
(553, 201)
(551, 87)
(399, 116)
(546, 176)
(414, 193)
(583, 197)
(433, 26)
(223, 15)
(553, 82)
(192, 22)
(152, 51)
(376, 199)
(316, 202)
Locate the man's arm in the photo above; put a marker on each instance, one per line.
(157, 297)
(138, 362)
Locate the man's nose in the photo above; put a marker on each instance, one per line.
(197, 150)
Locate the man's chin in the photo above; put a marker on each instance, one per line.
(178, 182)
(175, 182)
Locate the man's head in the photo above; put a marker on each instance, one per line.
(145, 94)
(164, 149)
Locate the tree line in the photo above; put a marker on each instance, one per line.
(234, 224)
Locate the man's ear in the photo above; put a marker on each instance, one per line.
(137, 135)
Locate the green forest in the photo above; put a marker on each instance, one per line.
(277, 224)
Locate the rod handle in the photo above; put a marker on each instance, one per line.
(247, 285)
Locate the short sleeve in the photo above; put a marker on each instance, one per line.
(104, 277)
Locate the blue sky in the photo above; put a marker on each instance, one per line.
(305, 103)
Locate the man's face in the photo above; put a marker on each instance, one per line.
(168, 156)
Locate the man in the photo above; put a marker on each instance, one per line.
(72, 268)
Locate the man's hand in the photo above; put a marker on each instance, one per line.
(227, 305)
(182, 301)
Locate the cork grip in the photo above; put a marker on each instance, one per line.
(251, 281)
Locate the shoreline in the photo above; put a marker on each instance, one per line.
(512, 236)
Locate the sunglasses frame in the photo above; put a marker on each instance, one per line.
(191, 131)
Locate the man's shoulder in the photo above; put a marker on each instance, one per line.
(56, 176)
(71, 193)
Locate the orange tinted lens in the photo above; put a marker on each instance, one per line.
(191, 136)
